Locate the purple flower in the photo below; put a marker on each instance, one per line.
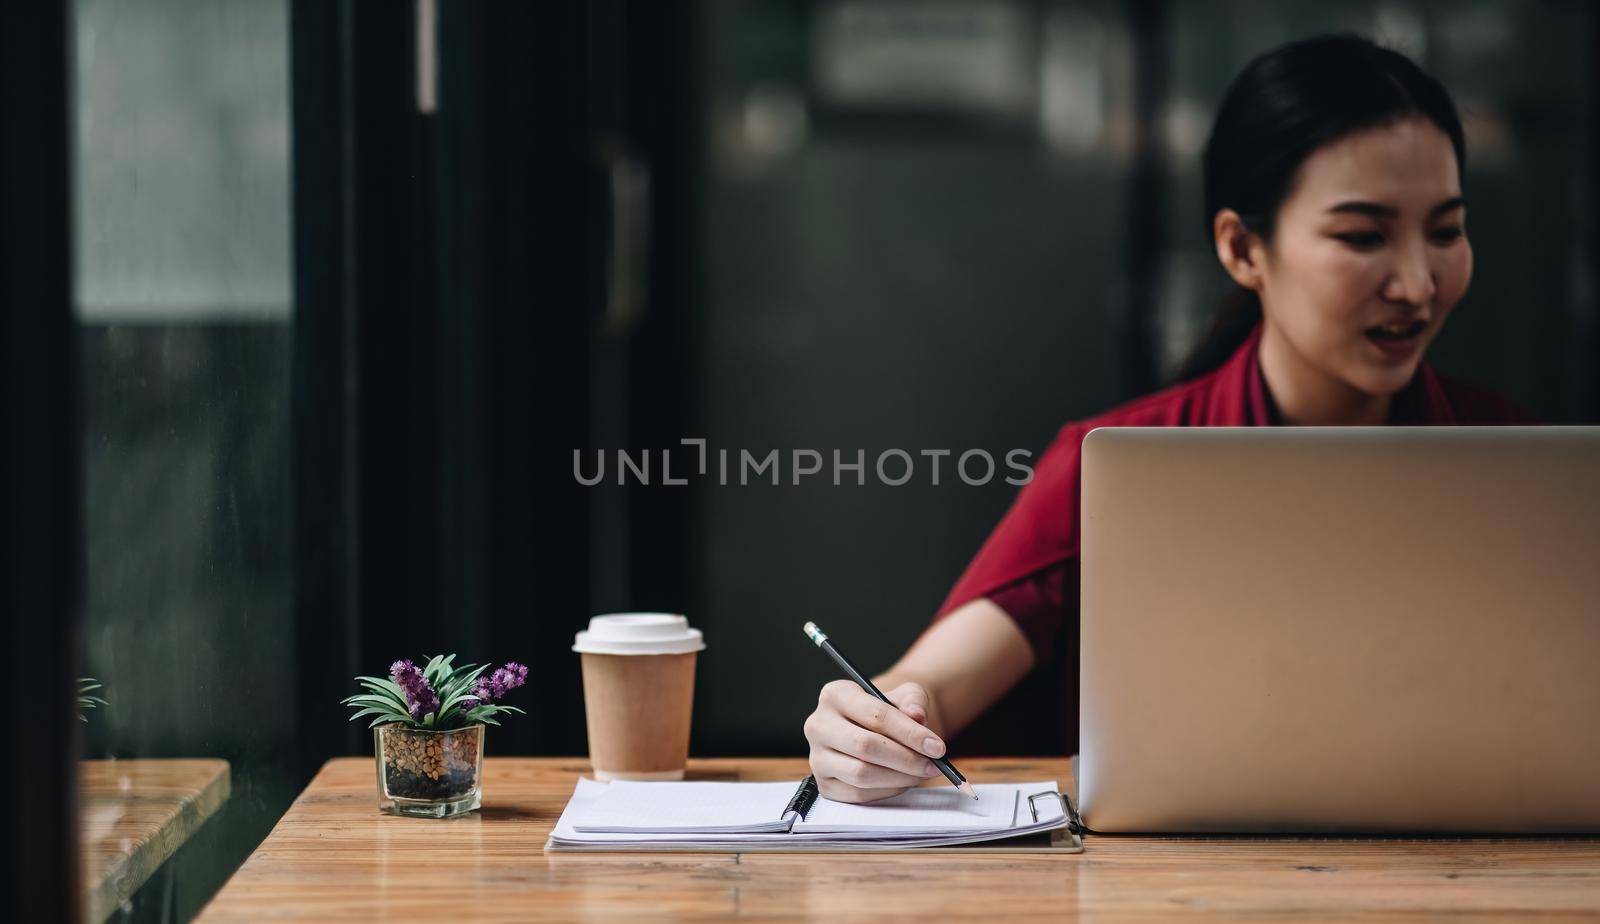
(420, 698)
(496, 685)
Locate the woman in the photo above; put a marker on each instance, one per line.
(1333, 197)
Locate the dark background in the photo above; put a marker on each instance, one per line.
(334, 353)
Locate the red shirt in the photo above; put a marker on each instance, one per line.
(1029, 565)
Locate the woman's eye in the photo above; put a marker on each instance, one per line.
(1361, 240)
(1448, 235)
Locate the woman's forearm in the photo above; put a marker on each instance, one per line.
(966, 661)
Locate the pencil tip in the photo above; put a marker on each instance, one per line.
(967, 788)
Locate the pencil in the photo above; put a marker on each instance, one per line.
(821, 638)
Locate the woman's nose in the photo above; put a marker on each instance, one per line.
(1412, 281)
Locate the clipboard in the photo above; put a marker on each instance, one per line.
(1063, 840)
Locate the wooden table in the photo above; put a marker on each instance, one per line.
(134, 815)
(333, 856)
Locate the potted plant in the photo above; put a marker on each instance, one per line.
(87, 685)
(427, 733)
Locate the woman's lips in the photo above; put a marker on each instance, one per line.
(1392, 347)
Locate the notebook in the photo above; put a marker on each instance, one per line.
(792, 816)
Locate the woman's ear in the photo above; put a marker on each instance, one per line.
(1238, 249)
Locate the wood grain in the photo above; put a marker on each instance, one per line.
(334, 856)
(134, 815)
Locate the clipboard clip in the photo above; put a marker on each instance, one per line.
(1074, 820)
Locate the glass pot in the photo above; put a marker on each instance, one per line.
(428, 773)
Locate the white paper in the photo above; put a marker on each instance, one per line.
(668, 808)
(905, 832)
(923, 810)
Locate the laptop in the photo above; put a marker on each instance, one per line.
(1351, 630)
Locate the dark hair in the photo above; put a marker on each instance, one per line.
(1281, 108)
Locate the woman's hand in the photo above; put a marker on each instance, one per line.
(863, 750)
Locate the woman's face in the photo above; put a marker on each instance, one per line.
(1368, 255)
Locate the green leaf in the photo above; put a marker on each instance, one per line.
(439, 667)
(380, 683)
(383, 696)
(456, 670)
(447, 689)
(381, 710)
(465, 674)
(382, 720)
(457, 685)
(463, 681)
(373, 699)
(486, 720)
(389, 689)
(453, 699)
(374, 702)
(371, 710)
(496, 709)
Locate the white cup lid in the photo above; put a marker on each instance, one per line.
(639, 634)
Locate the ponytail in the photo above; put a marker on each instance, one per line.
(1236, 317)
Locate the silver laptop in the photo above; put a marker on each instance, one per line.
(1384, 629)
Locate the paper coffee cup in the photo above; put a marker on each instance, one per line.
(638, 691)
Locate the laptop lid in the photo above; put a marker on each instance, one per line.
(1374, 629)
